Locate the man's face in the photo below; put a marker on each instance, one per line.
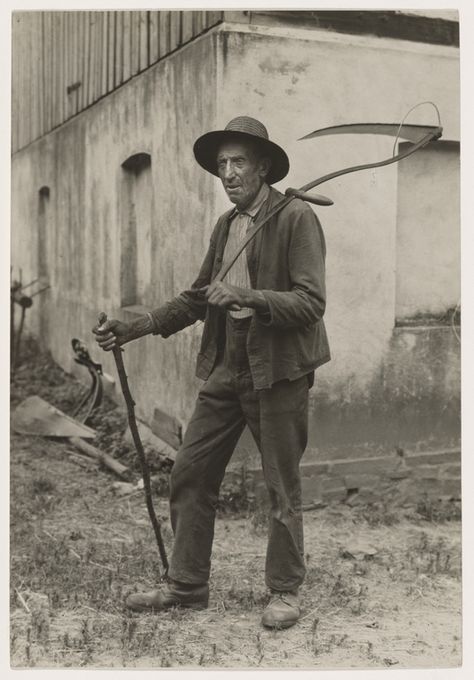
(242, 172)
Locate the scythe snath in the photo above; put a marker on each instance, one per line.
(420, 135)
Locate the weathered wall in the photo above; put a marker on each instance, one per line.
(161, 113)
(385, 387)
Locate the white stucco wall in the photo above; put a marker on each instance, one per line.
(297, 81)
(428, 235)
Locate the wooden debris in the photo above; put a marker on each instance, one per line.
(124, 488)
(101, 456)
(22, 601)
(35, 416)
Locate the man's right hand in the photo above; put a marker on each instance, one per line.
(113, 333)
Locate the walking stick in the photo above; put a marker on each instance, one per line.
(117, 352)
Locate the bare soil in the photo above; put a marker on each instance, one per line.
(383, 587)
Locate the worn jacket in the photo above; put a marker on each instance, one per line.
(286, 263)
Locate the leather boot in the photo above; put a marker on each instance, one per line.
(282, 611)
(172, 594)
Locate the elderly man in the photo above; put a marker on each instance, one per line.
(263, 338)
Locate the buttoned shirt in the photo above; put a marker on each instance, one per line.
(240, 223)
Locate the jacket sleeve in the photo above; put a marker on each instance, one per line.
(304, 303)
(189, 306)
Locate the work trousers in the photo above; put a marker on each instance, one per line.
(278, 420)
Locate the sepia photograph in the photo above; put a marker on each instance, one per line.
(235, 339)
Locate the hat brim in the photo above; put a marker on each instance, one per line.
(206, 148)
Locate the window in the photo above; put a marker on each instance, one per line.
(43, 259)
(136, 247)
(43, 262)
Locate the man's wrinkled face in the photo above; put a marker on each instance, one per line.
(242, 171)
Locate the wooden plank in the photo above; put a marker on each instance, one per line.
(104, 56)
(92, 57)
(81, 56)
(110, 50)
(34, 130)
(187, 26)
(167, 428)
(22, 103)
(13, 87)
(34, 92)
(198, 23)
(62, 77)
(96, 30)
(213, 18)
(164, 33)
(52, 71)
(126, 47)
(95, 44)
(15, 76)
(84, 64)
(99, 51)
(66, 59)
(75, 81)
(19, 79)
(42, 78)
(118, 77)
(70, 61)
(24, 83)
(134, 43)
(71, 39)
(84, 59)
(58, 69)
(48, 72)
(154, 36)
(57, 66)
(175, 30)
(67, 63)
(144, 41)
(26, 109)
(41, 71)
(107, 460)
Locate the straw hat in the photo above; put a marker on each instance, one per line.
(207, 146)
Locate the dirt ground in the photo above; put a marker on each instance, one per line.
(383, 586)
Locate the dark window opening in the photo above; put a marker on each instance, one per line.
(43, 236)
(136, 248)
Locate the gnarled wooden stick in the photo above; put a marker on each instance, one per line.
(117, 352)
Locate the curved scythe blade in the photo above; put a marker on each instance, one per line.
(411, 132)
(420, 135)
(429, 133)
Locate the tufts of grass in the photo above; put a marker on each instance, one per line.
(377, 514)
(439, 509)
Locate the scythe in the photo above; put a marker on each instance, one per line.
(420, 135)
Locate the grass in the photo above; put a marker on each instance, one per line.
(77, 550)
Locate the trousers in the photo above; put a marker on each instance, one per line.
(278, 420)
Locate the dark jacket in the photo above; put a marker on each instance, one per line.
(286, 263)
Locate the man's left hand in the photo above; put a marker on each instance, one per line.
(225, 296)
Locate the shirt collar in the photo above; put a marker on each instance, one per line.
(256, 204)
